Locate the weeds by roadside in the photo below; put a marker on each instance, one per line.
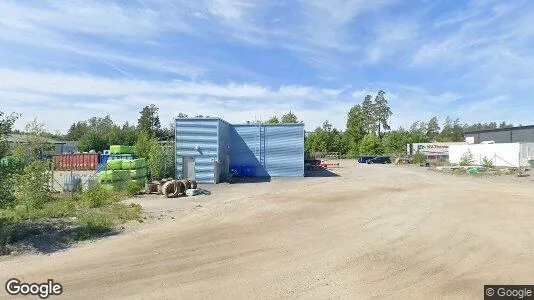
(93, 212)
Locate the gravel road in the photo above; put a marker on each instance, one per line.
(376, 230)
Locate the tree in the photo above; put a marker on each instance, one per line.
(446, 133)
(368, 115)
(35, 146)
(505, 125)
(338, 142)
(181, 116)
(418, 132)
(433, 130)
(394, 142)
(273, 120)
(289, 118)
(127, 135)
(149, 120)
(356, 129)
(315, 142)
(6, 126)
(101, 133)
(143, 144)
(457, 132)
(7, 174)
(147, 146)
(370, 145)
(93, 141)
(382, 112)
(77, 130)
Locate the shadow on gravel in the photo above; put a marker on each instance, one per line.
(235, 180)
(47, 237)
(320, 172)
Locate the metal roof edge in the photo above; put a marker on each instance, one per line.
(501, 129)
(198, 119)
(278, 124)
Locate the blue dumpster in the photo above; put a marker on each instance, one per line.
(235, 171)
(248, 171)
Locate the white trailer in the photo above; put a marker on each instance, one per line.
(500, 154)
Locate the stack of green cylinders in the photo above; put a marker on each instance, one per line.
(121, 149)
(120, 172)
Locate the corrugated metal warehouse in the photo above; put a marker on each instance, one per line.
(522, 134)
(208, 148)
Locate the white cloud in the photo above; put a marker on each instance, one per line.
(185, 56)
(56, 91)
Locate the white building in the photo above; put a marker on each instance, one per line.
(500, 154)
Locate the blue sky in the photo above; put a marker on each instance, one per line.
(64, 61)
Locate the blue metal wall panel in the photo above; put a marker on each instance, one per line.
(201, 133)
(272, 150)
(284, 150)
(245, 148)
(224, 150)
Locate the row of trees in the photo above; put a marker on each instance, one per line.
(98, 133)
(368, 131)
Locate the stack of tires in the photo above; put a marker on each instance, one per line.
(121, 172)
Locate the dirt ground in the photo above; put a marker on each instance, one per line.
(375, 230)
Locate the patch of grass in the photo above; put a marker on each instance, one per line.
(96, 211)
(419, 158)
(132, 189)
(96, 222)
(124, 213)
(460, 171)
(58, 208)
(97, 196)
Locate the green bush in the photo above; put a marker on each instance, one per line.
(467, 159)
(419, 158)
(488, 163)
(94, 223)
(8, 175)
(125, 212)
(6, 234)
(32, 186)
(97, 196)
(133, 188)
(99, 221)
(370, 145)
